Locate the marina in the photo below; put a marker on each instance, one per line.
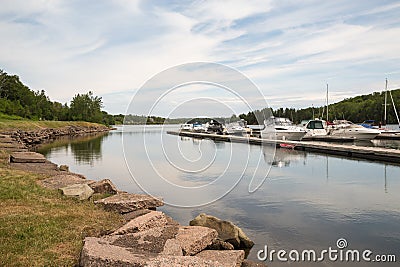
(347, 150)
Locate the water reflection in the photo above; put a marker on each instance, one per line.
(85, 149)
(283, 157)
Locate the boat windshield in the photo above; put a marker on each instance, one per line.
(315, 125)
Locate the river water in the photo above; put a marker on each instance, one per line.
(307, 200)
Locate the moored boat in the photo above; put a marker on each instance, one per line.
(282, 129)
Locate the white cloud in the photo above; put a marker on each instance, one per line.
(66, 47)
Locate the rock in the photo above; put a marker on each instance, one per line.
(136, 249)
(126, 202)
(81, 191)
(218, 244)
(64, 168)
(182, 261)
(227, 231)
(96, 253)
(104, 186)
(250, 263)
(27, 157)
(64, 180)
(144, 222)
(172, 247)
(194, 239)
(226, 258)
(134, 214)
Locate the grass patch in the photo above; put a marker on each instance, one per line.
(9, 124)
(40, 227)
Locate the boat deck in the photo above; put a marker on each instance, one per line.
(347, 150)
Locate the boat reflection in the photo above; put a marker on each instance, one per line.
(283, 157)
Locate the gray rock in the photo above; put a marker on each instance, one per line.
(182, 261)
(27, 157)
(194, 239)
(144, 222)
(218, 244)
(126, 202)
(64, 168)
(227, 231)
(63, 180)
(104, 186)
(81, 191)
(226, 258)
(96, 252)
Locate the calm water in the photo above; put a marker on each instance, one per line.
(308, 201)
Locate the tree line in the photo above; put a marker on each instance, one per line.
(17, 99)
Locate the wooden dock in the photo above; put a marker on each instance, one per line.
(347, 150)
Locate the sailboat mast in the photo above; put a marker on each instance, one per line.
(327, 104)
(385, 115)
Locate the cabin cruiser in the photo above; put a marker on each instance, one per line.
(345, 128)
(198, 128)
(213, 126)
(282, 129)
(186, 127)
(237, 128)
(315, 128)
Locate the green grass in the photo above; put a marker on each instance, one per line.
(8, 124)
(40, 227)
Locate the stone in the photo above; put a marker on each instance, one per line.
(172, 247)
(134, 214)
(144, 222)
(96, 252)
(227, 231)
(63, 180)
(136, 249)
(126, 202)
(181, 261)
(81, 191)
(194, 239)
(218, 244)
(104, 186)
(250, 263)
(27, 157)
(226, 258)
(63, 168)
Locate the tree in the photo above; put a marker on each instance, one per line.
(86, 107)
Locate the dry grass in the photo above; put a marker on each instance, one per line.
(40, 227)
(9, 125)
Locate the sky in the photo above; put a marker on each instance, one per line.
(289, 49)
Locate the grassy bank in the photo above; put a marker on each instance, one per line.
(39, 226)
(27, 125)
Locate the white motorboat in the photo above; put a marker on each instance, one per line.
(186, 127)
(315, 128)
(237, 128)
(282, 129)
(199, 128)
(345, 128)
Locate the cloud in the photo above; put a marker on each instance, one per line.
(113, 47)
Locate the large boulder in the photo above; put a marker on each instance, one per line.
(194, 239)
(63, 180)
(80, 191)
(104, 186)
(227, 231)
(126, 202)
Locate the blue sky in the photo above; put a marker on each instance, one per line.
(289, 49)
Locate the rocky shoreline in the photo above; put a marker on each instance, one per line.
(149, 237)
